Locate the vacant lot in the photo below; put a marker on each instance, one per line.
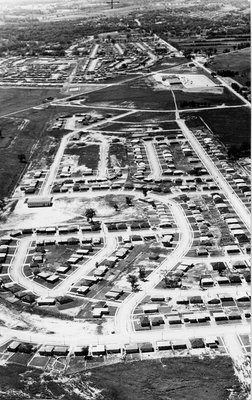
(88, 155)
(15, 99)
(231, 126)
(118, 155)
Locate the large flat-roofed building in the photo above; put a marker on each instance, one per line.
(39, 202)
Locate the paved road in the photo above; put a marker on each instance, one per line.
(104, 155)
(55, 165)
(156, 170)
(74, 335)
(231, 196)
(17, 275)
(65, 103)
(223, 83)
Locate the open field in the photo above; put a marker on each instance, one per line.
(173, 378)
(15, 99)
(148, 117)
(232, 126)
(238, 61)
(131, 96)
(124, 127)
(34, 140)
(204, 99)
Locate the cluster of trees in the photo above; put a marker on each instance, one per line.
(227, 72)
(22, 158)
(172, 282)
(133, 279)
(36, 38)
(179, 23)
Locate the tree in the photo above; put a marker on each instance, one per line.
(132, 279)
(22, 158)
(145, 191)
(142, 273)
(89, 214)
(235, 86)
(128, 201)
(36, 271)
(171, 282)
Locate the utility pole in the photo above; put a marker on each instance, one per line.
(112, 4)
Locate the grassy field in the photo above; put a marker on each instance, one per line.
(34, 140)
(125, 128)
(231, 126)
(15, 99)
(205, 99)
(167, 378)
(173, 378)
(238, 61)
(148, 117)
(131, 96)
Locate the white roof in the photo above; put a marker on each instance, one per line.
(39, 200)
(98, 347)
(152, 307)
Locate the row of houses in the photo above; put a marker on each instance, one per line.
(103, 350)
(61, 230)
(189, 317)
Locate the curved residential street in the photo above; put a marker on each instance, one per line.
(17, 275)
(123, 320)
